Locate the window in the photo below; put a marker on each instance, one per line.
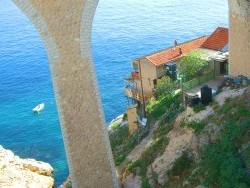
(155, 82)
(172, 70)
(135, 66)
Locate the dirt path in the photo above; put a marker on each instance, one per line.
(179, 141)
(136, 152)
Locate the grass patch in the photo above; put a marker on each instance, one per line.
(242, 111)
(199, 107)
(148, 156)
(158, 107)
(181, 165)
(119, 136)
(196, 126)
(124, 117)
(115, 126)
(224, 110)
(221, 165)
(145, 183)
(226, 161)
(215, 105)
(128, 144)
(122, 144)
(181, 169)
(163, 129)
(167, 121)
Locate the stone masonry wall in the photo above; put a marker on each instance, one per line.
(65, 27)
(239, 37)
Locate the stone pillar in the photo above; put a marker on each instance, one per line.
(132, 119)
(239, 37)
(65, 27)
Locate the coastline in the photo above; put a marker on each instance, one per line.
(18, 172)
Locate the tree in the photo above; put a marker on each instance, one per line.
(165, 85)
(191, 65)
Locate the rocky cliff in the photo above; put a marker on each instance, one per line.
(208, 147)
(23, 173)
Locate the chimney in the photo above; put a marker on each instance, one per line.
(180, 51)
(175, 43)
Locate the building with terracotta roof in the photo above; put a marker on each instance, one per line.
(148, 69)
(216, 46)
(217, 40)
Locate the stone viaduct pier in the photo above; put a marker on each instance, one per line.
(65, 28)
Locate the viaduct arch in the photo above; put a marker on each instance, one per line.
(65, 28)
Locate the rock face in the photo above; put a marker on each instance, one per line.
(23, 173)
(132, 181)
(67, 183)
(179, 142)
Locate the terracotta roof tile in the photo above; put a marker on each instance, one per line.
(217, 40)
(173, 53)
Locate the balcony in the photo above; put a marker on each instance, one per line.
(132, 92)
(135, 75)
(132, 77)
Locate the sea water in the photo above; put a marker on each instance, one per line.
(122, 31)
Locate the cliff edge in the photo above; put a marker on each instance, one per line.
(23, 173)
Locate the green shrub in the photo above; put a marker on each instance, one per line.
(196, 126)
(221, 165)
(191, 65)
(242, 111)
(120, 159)
(141, 164)
(218, 91)
(148, 156)
(224, 110)
(246, 155)
(164, 86)
(145, 183)
(124, 117)
(159, 107)
(128, 145)
(215, 105)
(119, 137)
(154, 150)
(228, 99)
(181, 165)
(115, 126)
(163, 129)
(167, 121)
(199, 108)
(137, 137)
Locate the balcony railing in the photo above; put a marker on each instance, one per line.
(135, 75)
(132, 92)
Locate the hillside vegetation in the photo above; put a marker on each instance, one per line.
(218, 155)
(225, 162)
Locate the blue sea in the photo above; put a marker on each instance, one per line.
(122, 31)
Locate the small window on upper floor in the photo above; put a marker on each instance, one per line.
(155, 82)
(135, 66)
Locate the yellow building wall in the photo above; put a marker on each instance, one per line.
(148, 74)
(132, 120)
(161, 71)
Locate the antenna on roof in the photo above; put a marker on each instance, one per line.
(175, 43)
(180, 51)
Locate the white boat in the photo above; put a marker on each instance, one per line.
(38, 108)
